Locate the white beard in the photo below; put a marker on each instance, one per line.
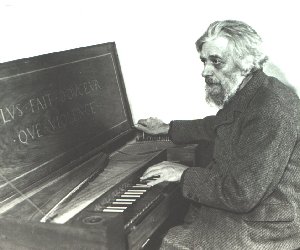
(220, 93)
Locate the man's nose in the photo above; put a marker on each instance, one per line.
(207, 70)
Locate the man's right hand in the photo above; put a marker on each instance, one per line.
(153, 126)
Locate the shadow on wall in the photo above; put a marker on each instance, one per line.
(272, 70)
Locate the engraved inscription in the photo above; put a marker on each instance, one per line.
(50, 107)
(40, 103)
(30, 133)
(9, 113)
(77, 90)
(62, 121)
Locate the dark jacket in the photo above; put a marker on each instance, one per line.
(248, 197)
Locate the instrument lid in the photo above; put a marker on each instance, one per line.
(56, 108)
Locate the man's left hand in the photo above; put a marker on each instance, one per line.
(166, 171)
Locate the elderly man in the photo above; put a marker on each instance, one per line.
(248, 197)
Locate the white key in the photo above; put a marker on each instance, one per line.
(126, 200)
(134, 193)
(113, 210)
(141, 186)
(137, 190)
(130, 196)
(122, 203)
(116, 207)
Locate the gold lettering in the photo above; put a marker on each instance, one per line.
(23, 138)
(31, 104)
(30, 133)
(52, 124)
(77, 90)
(96, 85)
(38, 130)
(91, 107)
(86, 88)
(40, 103)
(5, 120)
(10, 112)
(19, 109)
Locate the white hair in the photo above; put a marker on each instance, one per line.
(247, 44)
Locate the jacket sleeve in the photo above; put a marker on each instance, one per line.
(257, 162)
(192, 131)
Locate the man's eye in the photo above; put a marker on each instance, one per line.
(204, 61)
(216, 61)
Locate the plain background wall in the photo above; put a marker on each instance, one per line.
(155, 41)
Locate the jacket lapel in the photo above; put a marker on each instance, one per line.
(241, 99)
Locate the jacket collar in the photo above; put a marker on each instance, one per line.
(242, 98)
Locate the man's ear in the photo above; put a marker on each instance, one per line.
(247, 64)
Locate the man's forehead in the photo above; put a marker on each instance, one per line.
(216, 47)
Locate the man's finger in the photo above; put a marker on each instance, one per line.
(150, 174)
(158, 166)
(143, 122)
(143, 128)
(155, 182)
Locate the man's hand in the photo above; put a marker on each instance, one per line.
(166, 171)
(153, 126)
